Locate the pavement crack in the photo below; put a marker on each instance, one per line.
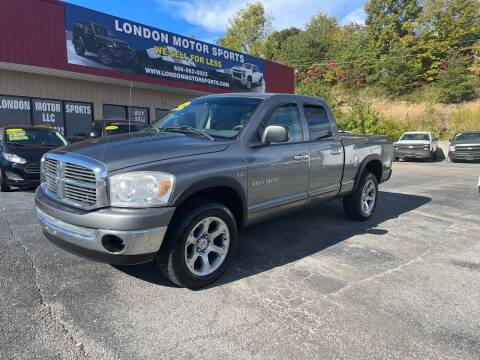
(381, 274)
(49, 319)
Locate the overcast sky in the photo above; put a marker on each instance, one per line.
(207, 19)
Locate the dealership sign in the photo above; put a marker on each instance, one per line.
(103, 41)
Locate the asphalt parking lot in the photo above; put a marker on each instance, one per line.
(309, 285)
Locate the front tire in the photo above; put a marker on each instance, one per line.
(362, 203)
(79, 48)
(200, 245)
(105, 57)
(3, 187)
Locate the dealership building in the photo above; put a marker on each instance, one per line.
(64, 66)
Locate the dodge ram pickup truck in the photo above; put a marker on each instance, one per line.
(178, 192)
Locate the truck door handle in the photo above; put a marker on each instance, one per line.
(302, 157)
(336, 151)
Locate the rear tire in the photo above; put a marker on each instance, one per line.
(361, 204)
(192, 258)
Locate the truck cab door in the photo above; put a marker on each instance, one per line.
(278, 172)
(89, 36)
(326, 152)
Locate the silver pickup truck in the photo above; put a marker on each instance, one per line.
(178, 192)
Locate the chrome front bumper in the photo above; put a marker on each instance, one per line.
(136, 243)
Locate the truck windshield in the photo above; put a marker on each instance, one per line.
(418, 136)
(103, 31)
(220, 117)
(32, 137)
(468, 136)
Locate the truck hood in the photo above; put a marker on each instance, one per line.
(122, 151)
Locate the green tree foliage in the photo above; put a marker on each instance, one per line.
(275, 43)
(389, 21)
(444, 26)
(248, 30)
(456, 83)
(400, 71)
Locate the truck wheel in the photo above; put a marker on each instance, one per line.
(3, 187)
(105, 57)
(361, 204)
(79, 48)
(200, 245)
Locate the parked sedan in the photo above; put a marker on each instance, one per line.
(21, 149)
(465, 146)
(416, 145)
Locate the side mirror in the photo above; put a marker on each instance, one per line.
(275, 134)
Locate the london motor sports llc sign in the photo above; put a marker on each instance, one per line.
(103, 41)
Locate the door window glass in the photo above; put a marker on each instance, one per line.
(289, 117)
(318, 123)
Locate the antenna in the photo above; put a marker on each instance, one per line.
(129, 105)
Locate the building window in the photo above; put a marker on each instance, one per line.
(139, 114)
(78, 119)
(49, 113)
(160, 112)
(14, 110)
(114, 112)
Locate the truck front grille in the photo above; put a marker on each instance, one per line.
(411, 147)
(74, 183)
(467, 150)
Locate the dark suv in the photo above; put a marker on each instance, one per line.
(102, 41)
(465, 147)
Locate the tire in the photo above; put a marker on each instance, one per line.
(354, 204)
(79, 48)
(3, 187)
(105, 57)
(173, 257)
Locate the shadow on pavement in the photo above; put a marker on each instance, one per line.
(288, 238)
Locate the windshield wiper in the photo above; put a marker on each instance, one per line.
(187, 129)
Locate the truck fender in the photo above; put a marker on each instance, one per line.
(211, 183)
(363, 165)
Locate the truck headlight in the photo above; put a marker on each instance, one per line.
(14, 158)
(141, 189)
(426, 147)
(452, 148)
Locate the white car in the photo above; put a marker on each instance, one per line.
(416, 145)
(247, 75)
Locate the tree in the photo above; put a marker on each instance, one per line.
(443, 26)
(389, 21)
(311, 45)
(400, 71)
(356, 55)
(275, 43)
(248, 30)
(456, 83)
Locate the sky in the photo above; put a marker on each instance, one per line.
(207, 20)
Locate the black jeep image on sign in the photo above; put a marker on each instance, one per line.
(102, 41)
